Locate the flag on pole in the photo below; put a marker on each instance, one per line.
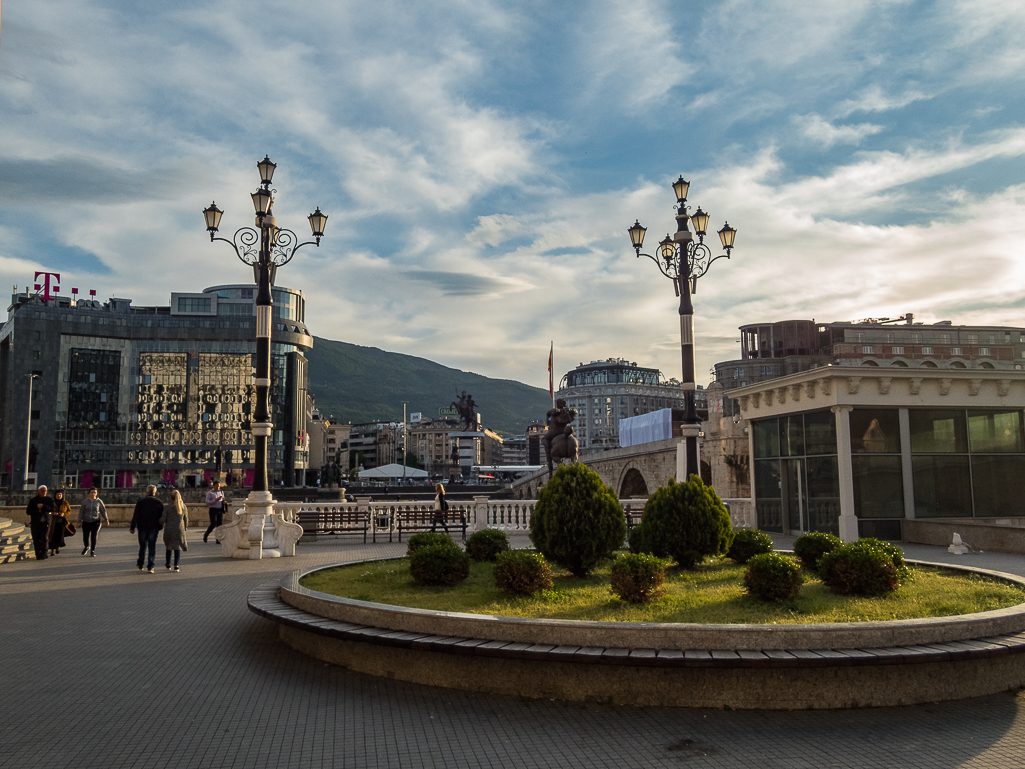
(551, 381)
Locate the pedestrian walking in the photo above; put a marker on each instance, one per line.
(39, 509)
(58, 522)
(215, 501)
(147, 519)
(91, 516)
(176, 523)
(440, 509)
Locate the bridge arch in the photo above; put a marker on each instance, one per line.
(633, 482)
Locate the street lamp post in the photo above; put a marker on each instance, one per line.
(276, 248)
(28, 430)
(683, 260)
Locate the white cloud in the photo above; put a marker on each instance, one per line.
(872, 99)
(824, 133)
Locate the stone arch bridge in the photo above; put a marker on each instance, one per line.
(633, 472)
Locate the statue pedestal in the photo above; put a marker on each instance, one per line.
(257, 531)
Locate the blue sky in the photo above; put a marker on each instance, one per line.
(480, 162)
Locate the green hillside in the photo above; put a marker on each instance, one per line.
(364, 384)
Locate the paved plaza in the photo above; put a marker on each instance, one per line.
(105, 666)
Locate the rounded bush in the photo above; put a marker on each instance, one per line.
(486, 544)
(866, 567)
(813, 545)
(439, 565)
(425, 539)
(686, 521)
(522, 572)
(638, 577)
(578, 521)
(773, 577)
(747, 543)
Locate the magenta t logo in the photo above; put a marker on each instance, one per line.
(47, 284)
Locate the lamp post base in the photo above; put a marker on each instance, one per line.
(258, 532)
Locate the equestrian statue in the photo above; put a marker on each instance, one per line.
(559, 441)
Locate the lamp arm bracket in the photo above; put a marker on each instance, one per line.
(674, 271)
(286, 245)
(245, 244)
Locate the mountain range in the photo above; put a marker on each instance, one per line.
(364, 384)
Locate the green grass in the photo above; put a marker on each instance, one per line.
(713, 593)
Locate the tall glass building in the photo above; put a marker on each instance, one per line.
(125, 396)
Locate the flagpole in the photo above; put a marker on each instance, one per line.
(551, 373)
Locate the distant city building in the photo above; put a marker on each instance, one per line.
(603, 392)
(771, 350)
(127, 396)
(524, 449)
(328, 443)
(445, 450)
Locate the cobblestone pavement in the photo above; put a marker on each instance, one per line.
(104, 666)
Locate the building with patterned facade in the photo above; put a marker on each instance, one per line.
(124, 396)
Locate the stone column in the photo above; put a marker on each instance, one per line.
(905, 463)
(848, 519)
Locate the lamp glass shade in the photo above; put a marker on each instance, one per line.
(637, 234)
(700, 221)
(667, 248)
(262, 201)
(680, 187)
(318, 221)
(726, 235)
(213, 217)
(266, 169)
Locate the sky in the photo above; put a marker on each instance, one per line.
(481, 162)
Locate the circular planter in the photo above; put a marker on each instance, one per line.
(744, 666)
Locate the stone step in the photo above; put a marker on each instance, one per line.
(23, 555)
(13, 530)
(15, 547)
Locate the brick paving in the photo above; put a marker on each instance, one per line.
(104, 666)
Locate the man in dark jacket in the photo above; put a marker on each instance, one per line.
(39, 509)
(148, 520)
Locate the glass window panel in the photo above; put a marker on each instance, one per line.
(766, 438)
(943, 486)
(823, 494)
(878, 487)
(938, 431)
(767, 479)
(875, 431)
(995, 431)
(820, 433)
(791, 436)
(999, 486)
(823, 477)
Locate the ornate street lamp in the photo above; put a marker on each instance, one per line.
(264, 248)
(683, 260)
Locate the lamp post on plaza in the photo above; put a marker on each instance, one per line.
(265, 248)
(28, 430)
(683, 260)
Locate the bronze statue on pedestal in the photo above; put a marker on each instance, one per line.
(560, 442)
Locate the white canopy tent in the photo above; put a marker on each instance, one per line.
(393, 471)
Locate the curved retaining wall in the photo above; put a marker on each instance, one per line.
(740, 666)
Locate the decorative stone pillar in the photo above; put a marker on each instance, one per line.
(848, 518)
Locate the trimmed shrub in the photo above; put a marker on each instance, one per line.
(638, 578)
(439, 565)
(773, 577)
(747, 544)
(686, 521)
(578, 521)
(866, 567)
(486, 544)
(813, 545)
(522, 572)
(425, 539)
